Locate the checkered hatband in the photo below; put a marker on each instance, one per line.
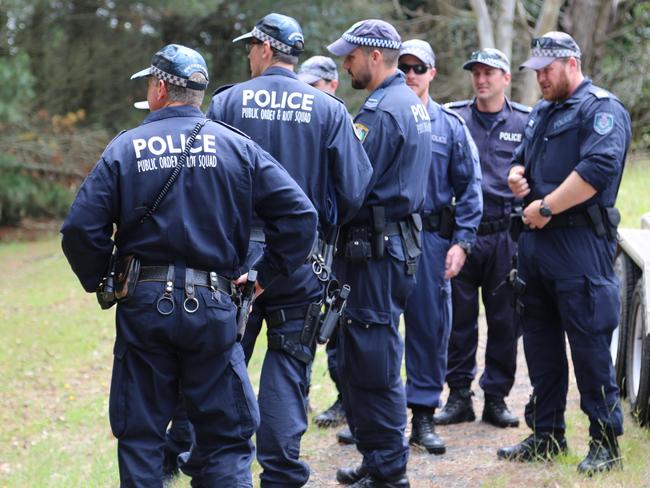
(372, 42)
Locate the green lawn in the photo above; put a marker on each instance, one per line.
(55, 363)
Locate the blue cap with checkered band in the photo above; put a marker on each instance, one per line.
(282, 32)
(372, 33)
(549, 47)
(175, 64)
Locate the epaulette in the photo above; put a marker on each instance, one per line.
(599, 92)
(223, 88)
(521, 107)
(335, 97)
(373, 100)
(234, 129)
(459, 104)
(453, 113)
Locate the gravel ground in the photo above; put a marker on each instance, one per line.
(471, 446)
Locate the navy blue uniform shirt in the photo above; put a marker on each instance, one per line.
(495, 144)
(308, 131)
(396, 133)
(589, 133)
(206, 216)
(455, 172)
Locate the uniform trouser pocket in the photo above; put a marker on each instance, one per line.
(244, 396)
(117, 405)
(372, 361)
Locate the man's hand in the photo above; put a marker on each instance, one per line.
(532, 217)
(517, 183)
(454, 261)
(241, 281)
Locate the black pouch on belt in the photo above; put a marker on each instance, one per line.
(447, 221)
(127, 272)
(357, 247)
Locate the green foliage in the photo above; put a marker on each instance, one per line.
(16, 92)
(25, 195)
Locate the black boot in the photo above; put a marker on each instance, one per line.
(370, 481)
(423, 432)
(344, 436)
(458, 408)
(540, 447)
(604, 454)
(332, 417)
(348, 476)
(495, 412)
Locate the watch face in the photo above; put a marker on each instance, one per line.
(545, 211)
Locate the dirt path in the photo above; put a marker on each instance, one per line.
(471, 447)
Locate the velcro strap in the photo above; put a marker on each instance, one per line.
(257, 235)
(493, 226)
(290, 344)
(279, 317)
(195, 277)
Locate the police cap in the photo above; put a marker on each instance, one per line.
(175, 64)
(371, 33)
(551, 46)
(282, 32)
(490, 57)
(318, 68)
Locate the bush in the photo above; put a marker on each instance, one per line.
(24, 195)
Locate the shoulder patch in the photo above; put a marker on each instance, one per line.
(234, 129)
(453, 113)
(599, 92)
(459, 104)
(223, 88)
(361, 131)
(521, 107)
(373, 100)
(603, 123)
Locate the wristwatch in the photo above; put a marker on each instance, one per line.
(545, 210)
(465, 246)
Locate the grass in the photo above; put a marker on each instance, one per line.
(55, 365)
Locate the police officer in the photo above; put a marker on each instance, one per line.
(378, 253)
(497, 126)
(568, 170)
(311, 135)
(320, 72)
(178, 326)
(446, 242)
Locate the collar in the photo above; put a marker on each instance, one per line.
(507, 106)
(169, 112)
(396, 79)
(276, 70)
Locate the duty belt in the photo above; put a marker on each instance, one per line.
(577, 219)
(193, 277)
(494, 226)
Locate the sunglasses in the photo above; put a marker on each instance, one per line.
(249, 45)
(418, 69)
(549, 43)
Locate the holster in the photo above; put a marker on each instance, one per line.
(447, 221)
(597, 221)
(378, 229)
(127, 271)
(516, 226)
(411, 233)
(310, 327)
(613, 220)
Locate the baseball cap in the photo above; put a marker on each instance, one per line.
(282, 32)
(371, 32)
(174, 64)
(490, 57)
(549, 47)
(420, 49)
(318, 68)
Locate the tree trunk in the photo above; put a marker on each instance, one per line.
(483, 23)
(546, 21)
(505, 26)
